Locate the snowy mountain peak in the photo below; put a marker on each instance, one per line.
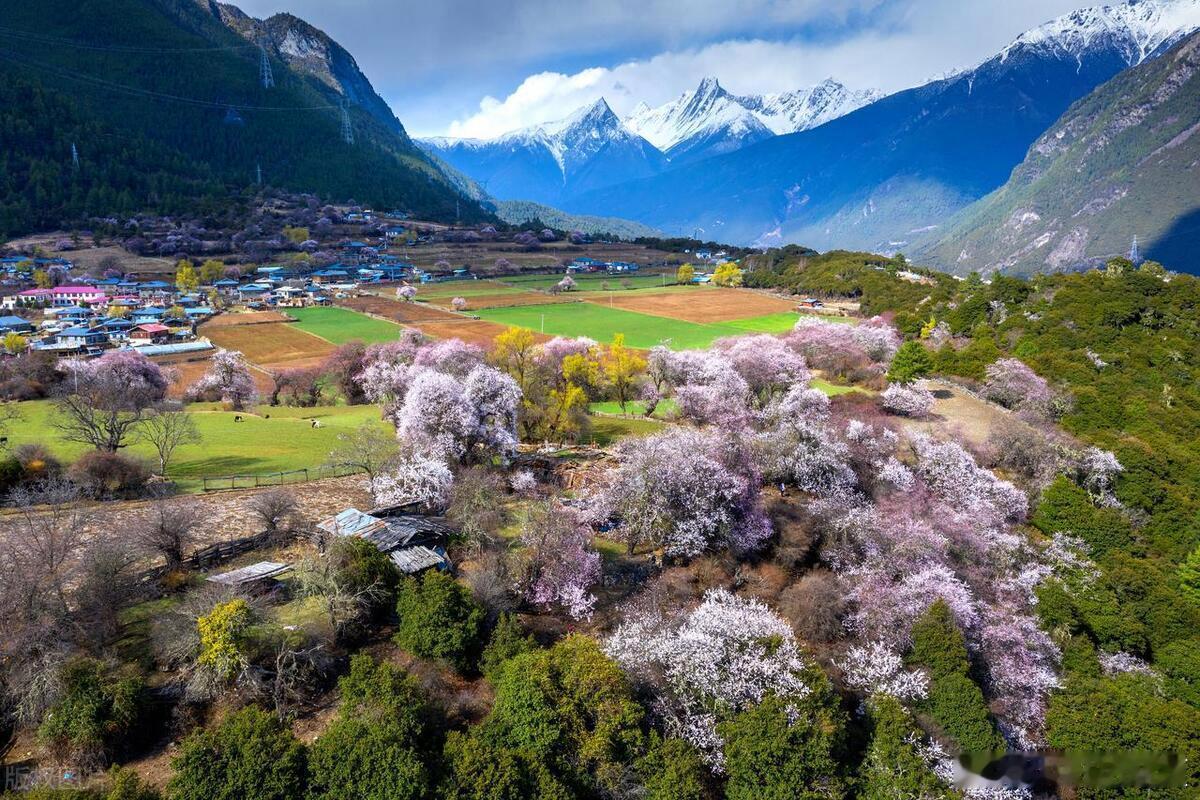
(1137, 29)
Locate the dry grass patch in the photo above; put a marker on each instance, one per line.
(701, 304)
(270, 343)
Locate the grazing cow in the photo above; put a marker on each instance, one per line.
(237, 418)
(316, 423)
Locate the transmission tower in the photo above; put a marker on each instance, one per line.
(347, 129)
(74, 156)
(264, 68)
(1134, 255)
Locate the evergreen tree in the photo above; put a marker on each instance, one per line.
(911, 361)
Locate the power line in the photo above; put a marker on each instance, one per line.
(264, 69)
(347, 128)
(56, 40)
(139, 92)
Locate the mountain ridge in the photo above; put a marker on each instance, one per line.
(886, 173)
(1123, 161)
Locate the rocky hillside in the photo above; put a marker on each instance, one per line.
(1122, 162)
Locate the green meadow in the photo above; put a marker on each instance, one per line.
(269, 439)
(340, 325)
(641, 330)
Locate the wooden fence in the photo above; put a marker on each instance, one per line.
(227, 482)
(215, 554)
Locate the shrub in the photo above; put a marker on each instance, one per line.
(893, 766)
(508, 640)
(367, 759)
(571, 709)
(1066, 508)
(479, 769)
(101, 474)
(249, 756)
(955, 701)
(768, 756)
(439, 619)
(360, 565)
(673, 770)
(97, 710)
(36, 462)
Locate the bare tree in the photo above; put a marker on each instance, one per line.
(167, 529)
(346, 602)
(167, 427)
(297, 675)
(39, 562)
(106, 586)
(273, 508)
(474, 507)
(366, 448)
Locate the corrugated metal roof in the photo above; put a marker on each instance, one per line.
(351, 522)
(254, 572)
(415, 559)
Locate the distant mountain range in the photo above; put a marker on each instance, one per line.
(1123, 161)
(185, 76)
(710, 121)
(549, 163)
(895, 170)
(593, 148)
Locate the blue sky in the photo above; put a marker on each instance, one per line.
(472, 68)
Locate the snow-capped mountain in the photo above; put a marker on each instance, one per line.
(547, 163)
(699, 123)
(1137, 30)
(710, 121)
(898, 168)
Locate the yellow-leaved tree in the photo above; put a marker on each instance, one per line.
(727, 274)
(622, 367)
(222, 639)
(186, 279)
(685, 274)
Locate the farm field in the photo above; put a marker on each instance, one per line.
(396, 310)
(268, 343)
(602, 323)
(592, 282)
(513, 297)
(340, 325)
(704, 304)
(258, 445)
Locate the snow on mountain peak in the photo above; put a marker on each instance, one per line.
(1138, 28)
(710, 112)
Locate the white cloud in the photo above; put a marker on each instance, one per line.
(928, 38)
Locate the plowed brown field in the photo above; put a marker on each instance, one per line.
(702, 304)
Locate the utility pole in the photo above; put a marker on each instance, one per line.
(347, 129)
(264, 67)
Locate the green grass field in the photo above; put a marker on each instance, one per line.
(592, 282)
(641, 330)
(340, 325)
(256, 445)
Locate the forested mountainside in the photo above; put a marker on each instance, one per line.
(169, 71)
(1122, 162)
(888, 173)
(519, 212)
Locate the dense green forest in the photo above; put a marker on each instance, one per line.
(170, 72)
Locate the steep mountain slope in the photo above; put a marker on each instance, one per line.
(1123, 161)
(893, 170)
(709, 120)
(310, 51)
(549, 163)
(170, 71)
(697, 124)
